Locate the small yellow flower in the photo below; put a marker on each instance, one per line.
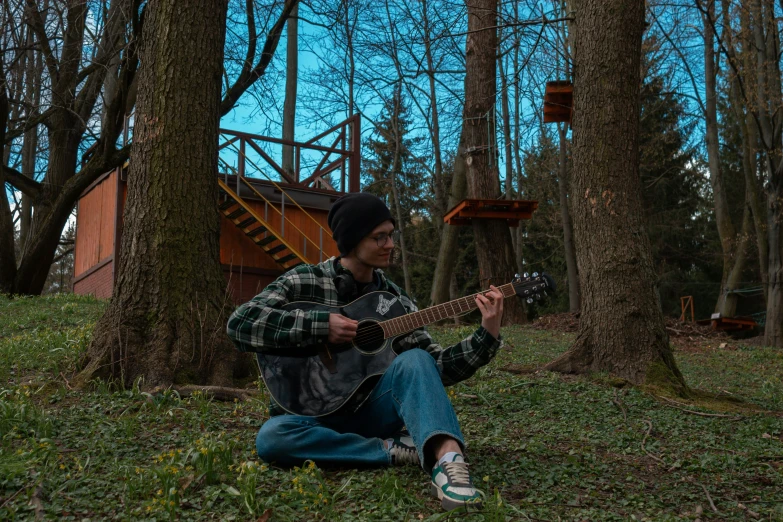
(160, 492)
(486, 478)
(62, 467)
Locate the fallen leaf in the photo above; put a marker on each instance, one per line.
(766, 436)
(265, 516)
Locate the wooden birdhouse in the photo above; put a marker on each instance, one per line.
(558, 102)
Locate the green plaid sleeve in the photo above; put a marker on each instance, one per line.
(261, 325)
(458, 362)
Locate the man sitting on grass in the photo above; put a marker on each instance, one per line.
(367, 431)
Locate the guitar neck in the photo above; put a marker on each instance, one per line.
(409, 322)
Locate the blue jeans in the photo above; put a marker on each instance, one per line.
(409, 394)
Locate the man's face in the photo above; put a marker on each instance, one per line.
(375, 249)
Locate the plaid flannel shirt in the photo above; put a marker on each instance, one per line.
(261, 325)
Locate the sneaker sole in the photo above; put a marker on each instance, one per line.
(449, 504)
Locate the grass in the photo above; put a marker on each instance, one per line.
(542, 446)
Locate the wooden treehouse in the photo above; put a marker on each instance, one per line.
(272, 219)
(512, 210)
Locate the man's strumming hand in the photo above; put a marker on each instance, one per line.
(491, 305)
(341, 329)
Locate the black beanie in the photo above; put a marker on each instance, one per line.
(355, 215)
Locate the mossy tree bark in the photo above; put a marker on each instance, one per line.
(166, 320)
(494, 248)
(621, 325)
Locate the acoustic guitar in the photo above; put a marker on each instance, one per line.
(318, 380)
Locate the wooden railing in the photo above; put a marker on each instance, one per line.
(332, 167)
(335, 166)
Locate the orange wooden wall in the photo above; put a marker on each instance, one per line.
(95, 221)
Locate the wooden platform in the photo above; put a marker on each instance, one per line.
(729, 324)
(558, 102)
(511, 210)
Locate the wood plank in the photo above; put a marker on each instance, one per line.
(108, 207)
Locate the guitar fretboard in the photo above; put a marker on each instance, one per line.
(409, 322)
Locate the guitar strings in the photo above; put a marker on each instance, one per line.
(372, 335)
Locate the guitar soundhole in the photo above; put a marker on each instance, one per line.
(369, 337)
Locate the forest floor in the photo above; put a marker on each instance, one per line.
(542, 446)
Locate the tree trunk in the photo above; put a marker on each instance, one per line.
(449, 236)
(437, 183)
(395, 122)
(50, 214)
(769, 117)
(505, 112)
(30, 147)
(621, 329)
(166, 319)
(733, 250)
(568, 227)
(516, 243)
(289, 105)
(494, 248)
(773, 330)
(563, 184)
(7, 257)
(750, 137)
(520, 231)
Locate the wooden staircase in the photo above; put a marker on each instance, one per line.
(259, 230)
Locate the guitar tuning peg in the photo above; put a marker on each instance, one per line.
(525, 275)
(538, 296)
(516, 276)
(535, 274)
(529, 300)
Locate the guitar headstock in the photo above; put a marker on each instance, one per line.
(533, 287)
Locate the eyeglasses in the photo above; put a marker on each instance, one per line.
(382, 239)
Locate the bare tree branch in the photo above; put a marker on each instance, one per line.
(21, 182)
(246, 79)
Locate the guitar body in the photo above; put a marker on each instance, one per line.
(317, 380)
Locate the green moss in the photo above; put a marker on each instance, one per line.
(661, 379)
